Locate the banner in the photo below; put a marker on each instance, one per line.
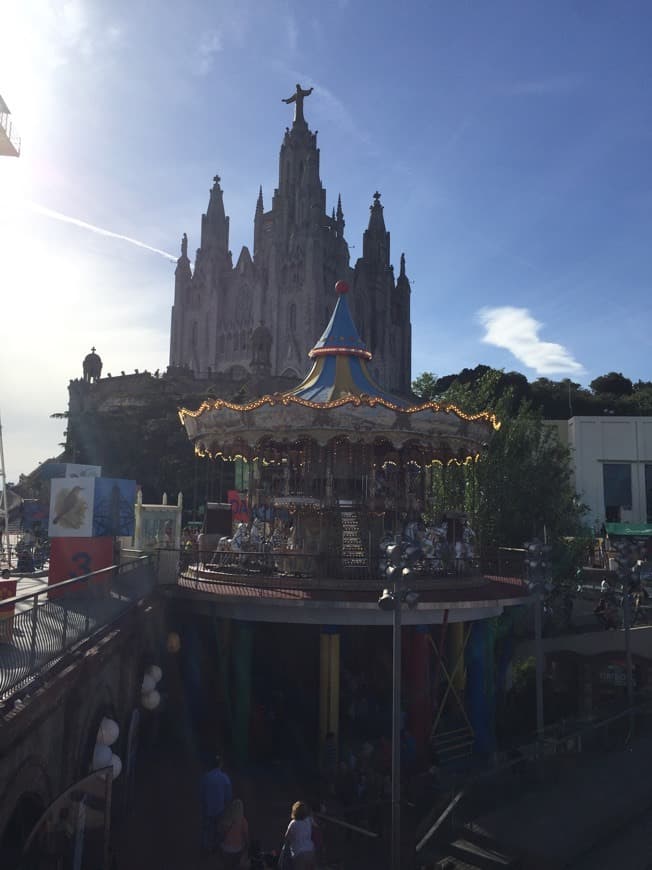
(239, 506)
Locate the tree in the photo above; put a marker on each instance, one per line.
(615, 384)
(425, 386)
(522, 483)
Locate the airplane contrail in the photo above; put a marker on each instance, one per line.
(57, 215)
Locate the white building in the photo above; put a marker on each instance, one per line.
(612, 463)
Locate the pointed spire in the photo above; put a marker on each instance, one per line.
(402, 272)
(376, 219)
(340, 213)
(375, 240)
(215, 223)
(184, 246)
(259, 204)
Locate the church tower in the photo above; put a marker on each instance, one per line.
(284, 291)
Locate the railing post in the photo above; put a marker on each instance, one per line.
(32, 652)
(65, 625)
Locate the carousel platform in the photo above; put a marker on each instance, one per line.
(270, 598)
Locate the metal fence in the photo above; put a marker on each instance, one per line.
(47, 623)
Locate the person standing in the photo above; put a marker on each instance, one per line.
(215, 795)
(298, 837)
(235, 842)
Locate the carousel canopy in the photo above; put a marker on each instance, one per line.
(340, 367)
(338, 399)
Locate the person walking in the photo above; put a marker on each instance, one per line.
(215, 795)
(235, 829)
(298, 838)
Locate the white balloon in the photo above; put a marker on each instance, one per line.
(155, 673)
(108, 732)
(151, 700)
(102, 756)
(149, 683)
(116, 763)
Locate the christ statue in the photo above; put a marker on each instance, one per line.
(297, 98)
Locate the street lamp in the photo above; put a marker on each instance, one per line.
(625, 558)
(537, 564)
(398, 571)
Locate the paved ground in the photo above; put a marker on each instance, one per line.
(586, 807)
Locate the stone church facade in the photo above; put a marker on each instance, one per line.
(263, 314)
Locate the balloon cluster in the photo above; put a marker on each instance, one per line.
(150, 697)
(103, 755)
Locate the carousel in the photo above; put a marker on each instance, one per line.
(337, 467)
(339, 473)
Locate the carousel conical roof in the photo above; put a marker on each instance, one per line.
(340, 367)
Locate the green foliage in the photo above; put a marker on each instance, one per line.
(425, 386)
(556, 400)
(615, 383)
(523, 482)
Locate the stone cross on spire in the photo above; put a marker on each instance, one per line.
(297, 98)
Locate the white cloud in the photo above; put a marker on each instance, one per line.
(210, 44)
(57, 215)
(292, 33)
(518, 332)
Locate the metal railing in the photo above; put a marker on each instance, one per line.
(39, 627)
(7, 125)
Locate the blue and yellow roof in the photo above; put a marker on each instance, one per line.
(340, 362)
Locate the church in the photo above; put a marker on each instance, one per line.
(262, 315)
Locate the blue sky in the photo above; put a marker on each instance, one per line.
(511, 143)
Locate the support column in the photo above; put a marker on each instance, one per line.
(329, 682)
(242, 656)
(477, 707)
(456, 650)
(418, 683)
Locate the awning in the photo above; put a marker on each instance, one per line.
(629, 530)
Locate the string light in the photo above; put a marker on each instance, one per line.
(286, 400)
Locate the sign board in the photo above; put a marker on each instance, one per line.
(71, 507)
(113, 507)
(76, 557)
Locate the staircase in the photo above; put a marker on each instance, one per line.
(453, 745)
(474, 850)
(354, 554)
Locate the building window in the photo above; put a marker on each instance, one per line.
(648, 491)
(243, 341)
(617, 478)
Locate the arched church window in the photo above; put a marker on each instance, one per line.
(194, 333)
(293, 316)
(235, 341)
(222, 345)
(243, 341)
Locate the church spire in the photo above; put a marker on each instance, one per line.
(340, 215)
(403, 282)
(258, 222)
(375, 243)
(215, 223)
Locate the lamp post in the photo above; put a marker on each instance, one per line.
(398, 572)
(537, 563)
(625, 561)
